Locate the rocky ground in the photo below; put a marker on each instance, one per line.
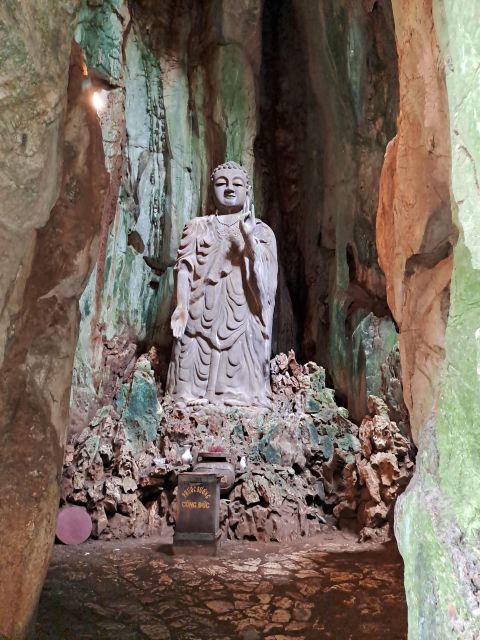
(308, 467)
(326, 587)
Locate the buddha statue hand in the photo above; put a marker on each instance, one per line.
(179, 321)
(247, 224)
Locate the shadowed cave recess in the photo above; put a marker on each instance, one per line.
(354, 122)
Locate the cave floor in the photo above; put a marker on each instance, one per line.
(324, 587)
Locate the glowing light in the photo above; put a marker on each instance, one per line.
(98, 100)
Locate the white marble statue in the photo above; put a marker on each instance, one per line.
(225, 283)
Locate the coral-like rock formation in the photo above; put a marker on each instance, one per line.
(306, 463)
(384, 469)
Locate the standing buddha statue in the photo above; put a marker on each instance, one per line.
(225, 284)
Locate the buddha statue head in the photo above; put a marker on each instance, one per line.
(231, 187)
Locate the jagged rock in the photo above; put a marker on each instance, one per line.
(129, 484)
(123, 526)
(379, 534)
(105, 451)
(99, 521)
(235, 513)
(350, 478)
(264, 489)
(302, 457)
(113, 489)
(119, 527)
(95, 492)
(385, 467)
(249, 494)
(246, 528)
(126, 504)
(110, 505)
(369, 477)
(372, 514)
(345, 509)
(260, 516)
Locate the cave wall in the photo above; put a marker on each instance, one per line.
(192, 85)
(180, 89)
(173, 112)
(52, 184)
(437, 519)
(415, 234)
(328, 104)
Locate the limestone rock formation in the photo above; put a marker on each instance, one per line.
(197, 83)
(384, 469)
(307, 465)
(52, 185)
(415, 235)
(183, 88)
(437, 523)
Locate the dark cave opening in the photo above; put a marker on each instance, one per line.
(319, 153)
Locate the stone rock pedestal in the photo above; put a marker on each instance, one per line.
(306, 466)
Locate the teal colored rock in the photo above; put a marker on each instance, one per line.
(350, 458)
(101, 414)
(327, 397)
(331, 430)
(238, 431)
(137, 405)
(326, 413)
(99, 33)
(269, 453)
(91, 446)
(326, 445)
(348, 442)
(312, 405)
(312, 432)
(321, 401)
(317, 379)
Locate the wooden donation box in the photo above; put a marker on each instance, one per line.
(198, 511)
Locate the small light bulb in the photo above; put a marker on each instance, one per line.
(98, 100)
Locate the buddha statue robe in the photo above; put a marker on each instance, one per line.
(223, 356)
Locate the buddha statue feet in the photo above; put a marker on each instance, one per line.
(197, 402)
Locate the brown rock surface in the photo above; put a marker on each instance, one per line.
(414, 221)
(49, 255)
(383, 472)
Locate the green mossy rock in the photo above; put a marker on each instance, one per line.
(438, 517)
(137, 405)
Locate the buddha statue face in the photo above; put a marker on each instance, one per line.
(230, 187)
